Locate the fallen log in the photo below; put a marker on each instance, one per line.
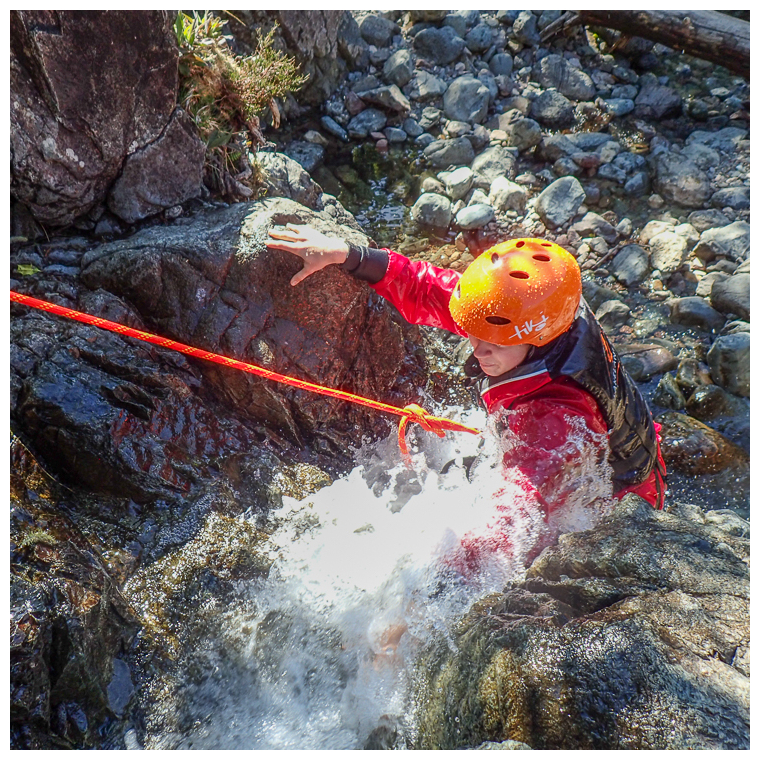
(709, 35)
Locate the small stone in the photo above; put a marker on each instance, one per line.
(474, 217)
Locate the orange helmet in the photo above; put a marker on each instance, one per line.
(519, 291)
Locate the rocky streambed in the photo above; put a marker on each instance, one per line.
(145, 486)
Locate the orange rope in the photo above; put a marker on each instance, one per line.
(410, 413)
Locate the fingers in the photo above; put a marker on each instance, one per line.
(301, 276)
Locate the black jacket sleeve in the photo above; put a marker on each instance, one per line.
(369, 264)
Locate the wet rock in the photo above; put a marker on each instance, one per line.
(643, 361)
(655, 102)
(692, 374)
(432, 210)
(554, 71)
(612, 314)
(731, 242)
(692, 448)
(377, 30)
(728, 358)
(552, 109)
(506, 195)
(668, 252)
(165, 173)
(286, 178)
(466, 99)
(68, 626)
(389, 97)
(309, 155)
(730, 295)
(630, 265)
(658, 625)
(226, 298)
(441, 46)
(711, 402)
(424, 86)
(560, 202)
(399, 68)
(475, 216)
(441, 154)
(494, 162)
(369, 120)
(681, 181)
(668, 393)
(694, 311)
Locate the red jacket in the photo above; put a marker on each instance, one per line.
(540, 406)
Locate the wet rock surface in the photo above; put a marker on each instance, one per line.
(631, 636)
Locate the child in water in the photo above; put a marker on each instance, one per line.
(544, 365)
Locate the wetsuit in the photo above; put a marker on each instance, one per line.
(576, 376)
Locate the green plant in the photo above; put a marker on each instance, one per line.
(225, 93)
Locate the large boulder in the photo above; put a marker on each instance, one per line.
(88, 89)
(632, 635)
(129, 420)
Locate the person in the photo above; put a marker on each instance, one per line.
(543, 365)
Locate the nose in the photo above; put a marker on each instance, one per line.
(480, 349)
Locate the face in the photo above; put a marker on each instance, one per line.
(496, 360)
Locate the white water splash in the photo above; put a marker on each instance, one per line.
(366, 572)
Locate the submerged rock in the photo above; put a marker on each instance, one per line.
(632, 635)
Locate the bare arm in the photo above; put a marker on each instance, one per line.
(315, 248)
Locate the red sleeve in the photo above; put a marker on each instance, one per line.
(557, 441)
(420, 291)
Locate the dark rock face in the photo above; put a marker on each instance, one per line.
(89, 88)
(633, 635)
(69, 624)
(148, 423)
(165, 173)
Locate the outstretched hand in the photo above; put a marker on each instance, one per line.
(315, 248)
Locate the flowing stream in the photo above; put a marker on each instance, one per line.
(367, 572)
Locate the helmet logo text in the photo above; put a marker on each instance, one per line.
(530, 326)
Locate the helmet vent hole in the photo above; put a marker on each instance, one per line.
(494, 258)
(519, 275)
(519, 244)
(546, 245)
(494, 320)
(541, 257)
